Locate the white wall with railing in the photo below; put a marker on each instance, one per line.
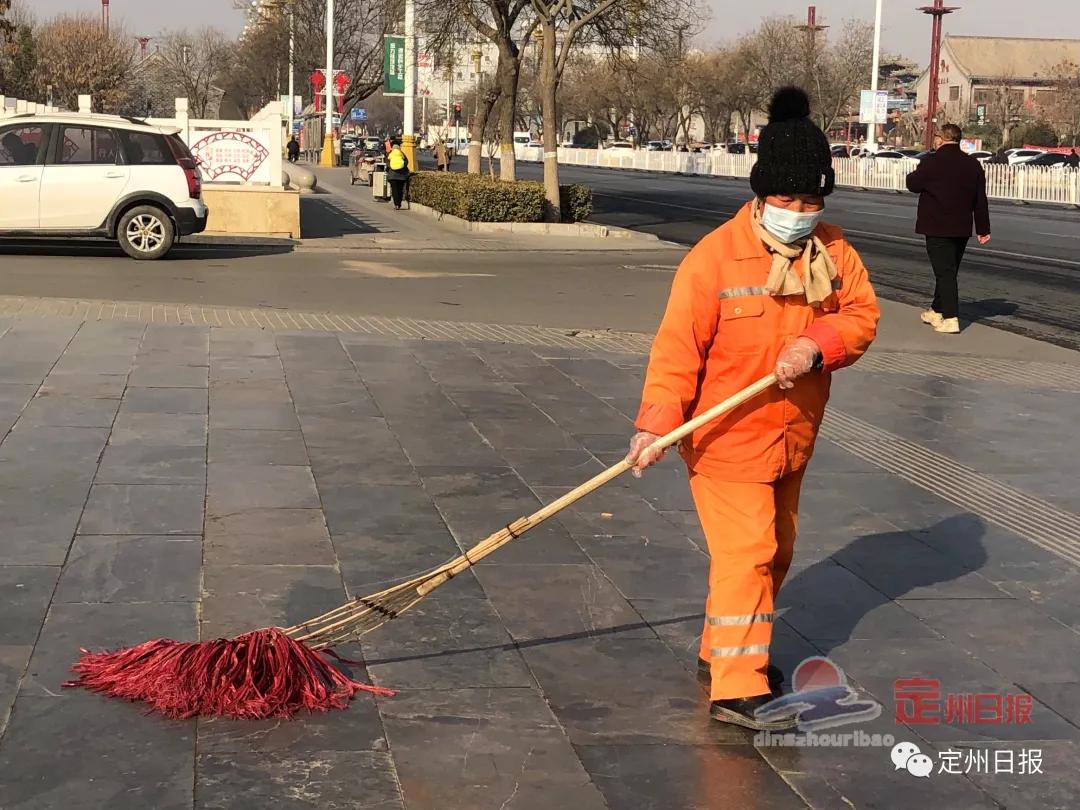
(1037, 184)
(19, 106)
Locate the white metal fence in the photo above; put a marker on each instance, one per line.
(1038, 184)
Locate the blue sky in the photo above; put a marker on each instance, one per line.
(904, 28)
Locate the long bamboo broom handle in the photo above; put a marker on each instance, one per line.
(524, 524)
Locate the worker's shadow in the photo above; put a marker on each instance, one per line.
(828, 602)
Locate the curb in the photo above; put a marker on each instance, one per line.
(581, 229)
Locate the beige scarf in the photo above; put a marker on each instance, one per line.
(814, 277)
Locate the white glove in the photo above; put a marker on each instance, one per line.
(641, 454)
(796, 360)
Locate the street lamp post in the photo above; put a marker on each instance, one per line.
(327, 157)
(292, 66)
(871, 135)
(408, 135)
(937, 11)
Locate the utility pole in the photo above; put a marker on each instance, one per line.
(328, 158)
(811, 30)
(937, 11)
(292, 65)
(408, 135)
(105, 14)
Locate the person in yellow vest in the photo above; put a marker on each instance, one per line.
(397, 174)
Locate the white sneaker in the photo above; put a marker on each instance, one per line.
(948, 326)
(932, 318)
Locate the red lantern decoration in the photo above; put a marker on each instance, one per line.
(318, 82)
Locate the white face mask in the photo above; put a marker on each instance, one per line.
(789, 226)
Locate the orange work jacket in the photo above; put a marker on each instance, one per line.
(722, 331)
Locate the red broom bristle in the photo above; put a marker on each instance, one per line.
(260, 674)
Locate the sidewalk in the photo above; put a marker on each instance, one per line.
(188, 481)
(340, 216)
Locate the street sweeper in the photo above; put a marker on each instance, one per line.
(775, 289)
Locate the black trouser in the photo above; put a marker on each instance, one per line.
(946, 253)
(397, 189)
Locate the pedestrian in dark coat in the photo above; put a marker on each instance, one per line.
(952, 195)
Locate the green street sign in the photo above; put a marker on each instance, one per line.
(394, 66)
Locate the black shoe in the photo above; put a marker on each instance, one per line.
(775, 676)
(740, 712)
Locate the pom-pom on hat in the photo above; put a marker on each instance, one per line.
(793, 153)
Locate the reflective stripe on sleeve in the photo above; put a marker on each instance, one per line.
(749, 618)
(731, 652)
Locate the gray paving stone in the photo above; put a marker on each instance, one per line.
(1063, 698)
(13, 661)
(143, 509)
(27, 592)
(690, 777)
(507, 419)
(552, 467)
(313, 352)
(257, 447)
(29, 372)
(1012, 638)
(13, 398)
(644, 570)
(611, 510)
(864, 777)
(238, 487)
(322, 780)
(132, 569)
(564, 600)
(99, 626)
(350, 461)
(619, 690)
(235, 368)
(447, 641)
(268, 537)
(176, 376)
(239, 598)
(150, 463)
(379, 511)
(79, 447)
(1054, 787)
(358, 728)
(84, 384)
(371, 563)
(165, 400)
(38, 519)
(482, 749)
(188, 430)
(127, 759)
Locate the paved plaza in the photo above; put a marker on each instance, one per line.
(194, 481)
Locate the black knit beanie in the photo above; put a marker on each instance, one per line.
(793, 153)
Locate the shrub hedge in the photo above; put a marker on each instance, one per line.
(478, 198)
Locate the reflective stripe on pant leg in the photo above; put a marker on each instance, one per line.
(739, 523)
(787, 524)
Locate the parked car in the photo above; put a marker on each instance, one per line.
(839, 150)
(887, 154)
(1048, 159)
(1023, 155)
(908, 152)
(348, 144)
(64, 175)
(981, 155)
(372, 142)
(657, 146)
(620, 145)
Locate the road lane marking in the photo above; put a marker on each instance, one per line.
(1059, 235)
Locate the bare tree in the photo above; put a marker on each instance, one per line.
(841, 68)
(77, 56)
(197, 60)
(1065, 109)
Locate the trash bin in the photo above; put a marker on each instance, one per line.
(380, 189)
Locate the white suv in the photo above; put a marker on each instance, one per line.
(69, 175)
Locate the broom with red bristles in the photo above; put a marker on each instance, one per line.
(277, 672)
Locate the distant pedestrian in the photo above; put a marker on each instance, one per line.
(952, 193)
(293, 149)
(388, 145)
(1073, 160)
(442, 159)
(398, 173)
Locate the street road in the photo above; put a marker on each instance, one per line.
(1027, 280)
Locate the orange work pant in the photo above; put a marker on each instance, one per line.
(750, 529)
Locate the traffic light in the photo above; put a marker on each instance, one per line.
(457, 114)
